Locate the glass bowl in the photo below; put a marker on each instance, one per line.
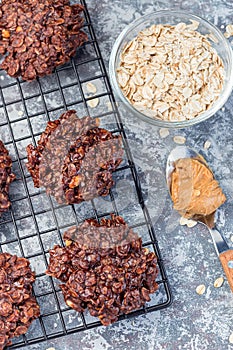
(172, 17)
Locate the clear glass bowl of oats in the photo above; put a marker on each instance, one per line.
(172, 69)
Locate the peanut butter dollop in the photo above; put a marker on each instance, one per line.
(194, 190)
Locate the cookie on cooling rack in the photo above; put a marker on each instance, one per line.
(18, 308)
(37, 36)
(74, 159)
(104, 268)
(6, 177)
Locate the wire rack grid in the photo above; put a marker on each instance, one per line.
(36, 222)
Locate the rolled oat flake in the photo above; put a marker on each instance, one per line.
(231, 338)
(201, 289)
(218, 282)
(169, 82)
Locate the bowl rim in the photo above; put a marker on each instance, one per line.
(223, 97)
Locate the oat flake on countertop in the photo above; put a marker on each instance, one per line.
(164, 132)
(207, 144)
(93, 103)
(218, 282)
(179, 139)
(201, 289)
(231, 338)
(91, 88)
(229, 31)
(189, 222)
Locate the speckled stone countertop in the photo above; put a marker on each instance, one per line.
(192, 322)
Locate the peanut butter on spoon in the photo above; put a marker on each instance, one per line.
(194, 190)
(197, 195)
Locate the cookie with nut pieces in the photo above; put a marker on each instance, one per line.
(37, 36)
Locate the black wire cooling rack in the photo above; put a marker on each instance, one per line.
(36, 222)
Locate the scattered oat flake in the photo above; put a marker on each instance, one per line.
(229, 31)
(207, 144)
(231, 338)
(93, 103)
(109, 106)
(179, 139)
(91, 88)
(20, 113)
(201, 289)
(183, 221)
(51, 349)
(164, 132)
(218, 282)
(190, 223)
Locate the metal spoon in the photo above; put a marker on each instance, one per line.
(223, 251)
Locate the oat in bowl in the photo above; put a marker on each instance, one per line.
(172, 69)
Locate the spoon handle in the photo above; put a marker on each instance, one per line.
(225, 254)
(226, 259)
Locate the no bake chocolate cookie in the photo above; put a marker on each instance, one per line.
(74, 159)
(18, 308)
(6, 177)
(104, 268)
(37, 36)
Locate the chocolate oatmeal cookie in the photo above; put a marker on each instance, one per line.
(6, 177)
(37, 36)
(74, 159)
(18, 308)
(104, 268)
